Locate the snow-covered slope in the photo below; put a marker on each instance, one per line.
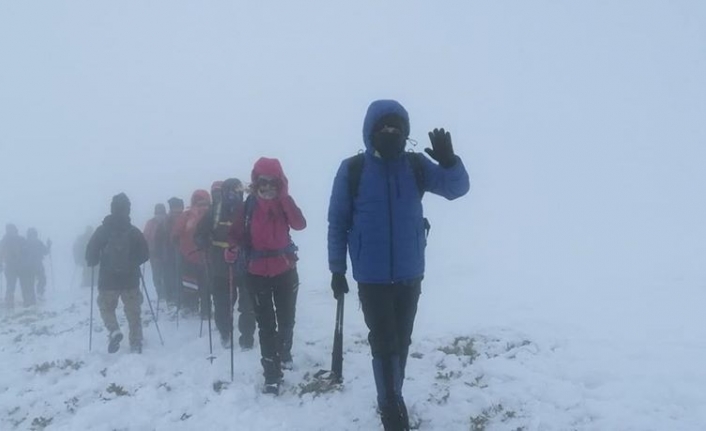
(536, 374)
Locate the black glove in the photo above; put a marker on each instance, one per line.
(442, 151)
(339, 284)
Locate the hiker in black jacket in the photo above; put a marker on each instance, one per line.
(212, 237)
(36, 251)
(13, 258)
(120, 248)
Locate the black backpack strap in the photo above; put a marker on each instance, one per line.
(355, 171)
(249, 208)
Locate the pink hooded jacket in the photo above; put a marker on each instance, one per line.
(270, 223)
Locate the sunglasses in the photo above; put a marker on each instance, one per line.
(268, 182)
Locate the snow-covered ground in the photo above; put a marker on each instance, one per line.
(515, 364)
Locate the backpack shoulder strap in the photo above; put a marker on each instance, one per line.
(415, 160)
(355, 171)
(249, 207)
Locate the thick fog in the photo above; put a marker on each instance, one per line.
(581, 124)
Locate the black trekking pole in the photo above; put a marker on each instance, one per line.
(90, 325)
(232, 325)
(337, 354)
(147, 295)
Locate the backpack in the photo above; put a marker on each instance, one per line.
(355, 171)
(115, 256)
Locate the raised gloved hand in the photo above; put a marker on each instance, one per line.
(339, 284)
(230, 255)
(441, 149)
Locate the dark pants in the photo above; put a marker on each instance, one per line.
(170, 275)
(158, 277)
(274, 300)
(199, 299)
(25, 279)
(389, 311)
(223, 306)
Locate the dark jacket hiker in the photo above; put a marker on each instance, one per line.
(36, 251)
(14, 261)
(212, 238)
(376, 214)
(120, 248)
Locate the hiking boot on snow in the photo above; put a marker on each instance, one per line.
(114, 340)
(394, 416)
(225, 341)
(246, 343)
(136, 347)
(271, 388)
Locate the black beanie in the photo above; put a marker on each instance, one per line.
(159, 209)
(232, 184)
(120, 205)
(175, 203)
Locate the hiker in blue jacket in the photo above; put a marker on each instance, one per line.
(376, 214)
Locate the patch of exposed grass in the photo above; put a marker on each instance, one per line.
(65, 364)
(318, 384)
(218, 386)
(117, 390)
(495, 412)
(462, 347)
(39, 423)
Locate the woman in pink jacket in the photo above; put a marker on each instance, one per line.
(265, 249)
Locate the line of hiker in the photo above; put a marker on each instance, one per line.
(231, 248)
(22, 260)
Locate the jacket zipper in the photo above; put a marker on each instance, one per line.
(389, 207)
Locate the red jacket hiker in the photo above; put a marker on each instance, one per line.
(150, 230)
(271, 219)
(185, 226)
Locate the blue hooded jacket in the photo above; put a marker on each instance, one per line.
(383, 228)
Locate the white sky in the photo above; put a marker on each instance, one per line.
(582, 124)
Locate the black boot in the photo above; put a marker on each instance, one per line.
(273, 375)
(388, 382)
(394, 416)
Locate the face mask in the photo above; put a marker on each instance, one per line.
(231, 197)
(267, 187)
(389, 145)
(267, 192)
